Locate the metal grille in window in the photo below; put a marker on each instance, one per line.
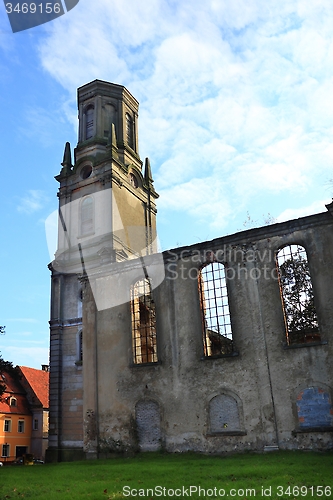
(300, 317)
(143, 323)
(217, 332)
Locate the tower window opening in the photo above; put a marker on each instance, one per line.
(87, 216)
(129, 131)
(143, 323)
(216, 324)
(297, 297)
(89, 122)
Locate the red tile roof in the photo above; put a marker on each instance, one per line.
(15, 390)
(39, 383)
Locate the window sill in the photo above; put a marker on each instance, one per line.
(138, 365)
(233, 354)
(306, 344)
(312, 429)
(226, 433)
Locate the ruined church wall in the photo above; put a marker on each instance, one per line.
(265, 378)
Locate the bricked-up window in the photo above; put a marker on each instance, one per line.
(300, 317)
(224, 414)
(216, 324)
(143, 323)
(314, 409)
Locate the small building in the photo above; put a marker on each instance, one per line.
(36, 385)
(15, 419)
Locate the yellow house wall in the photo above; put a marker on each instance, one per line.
(15, 438)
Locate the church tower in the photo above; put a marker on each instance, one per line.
(107, 215)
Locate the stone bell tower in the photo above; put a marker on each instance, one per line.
(107, 214)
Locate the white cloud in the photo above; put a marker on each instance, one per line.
(232, 92)
(19, 355)
(33, 201)
(294, 213)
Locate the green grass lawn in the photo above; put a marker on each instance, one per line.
(278, 475)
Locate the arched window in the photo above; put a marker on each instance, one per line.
(89, 122)
(224, 414)
(129, 131)
(300, 317)
(216, 324)
(143, 323)
(87, 216)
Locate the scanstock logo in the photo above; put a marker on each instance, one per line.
(86, 243)
(25, 15)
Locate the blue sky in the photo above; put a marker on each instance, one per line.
(236, 116)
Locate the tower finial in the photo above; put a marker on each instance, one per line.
(67, 161)
(147, 173)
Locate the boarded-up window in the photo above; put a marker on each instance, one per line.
(143, 323)
(148, 422)
(216, 324)
(224, 414)
(300, 317)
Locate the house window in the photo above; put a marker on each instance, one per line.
(35, 424)
(87, 216)
(143, 323)
(7, 426)
(13, 402)
(216, 324)
(299, 313)
(89, 122)
(5, 450)
(20, 427)
(129, 131)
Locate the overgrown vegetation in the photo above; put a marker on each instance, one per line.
(240, 476)
(5, 366)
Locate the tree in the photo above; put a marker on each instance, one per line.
(5, 366)
(298, 299)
